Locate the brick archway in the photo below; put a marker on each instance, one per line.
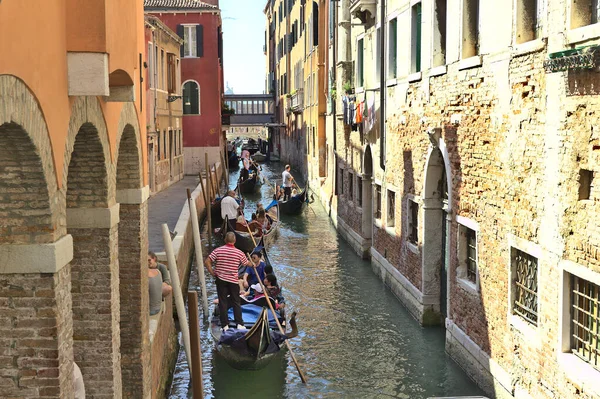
(92, 220)
(35, 253)
(133, 252)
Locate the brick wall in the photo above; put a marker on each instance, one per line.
(24, 201)
(95, 293)
(36, 335)
(133, 283)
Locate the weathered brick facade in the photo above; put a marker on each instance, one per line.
(490, 143)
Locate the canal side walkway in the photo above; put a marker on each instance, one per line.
(166, 207)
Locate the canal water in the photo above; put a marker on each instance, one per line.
(355, 338)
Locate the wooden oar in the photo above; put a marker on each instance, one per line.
(281, 330)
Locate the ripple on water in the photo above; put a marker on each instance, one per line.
(355, 339)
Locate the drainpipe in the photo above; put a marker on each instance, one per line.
(382, 90)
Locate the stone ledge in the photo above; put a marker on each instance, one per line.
(477, 363)
(360, 244)
(133, 195)
(93, 218)
(408, 294)
(36, 258)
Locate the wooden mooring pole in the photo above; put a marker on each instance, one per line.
(198, 252)
(209, 198)
(196, 372)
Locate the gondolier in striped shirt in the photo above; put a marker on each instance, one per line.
(227, 260)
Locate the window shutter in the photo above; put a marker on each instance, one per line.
(199, 40)
(180, 34)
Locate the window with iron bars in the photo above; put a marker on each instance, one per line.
(359, 191)
(413, 222)
(525, 302)
(585, 320)
(471, 236)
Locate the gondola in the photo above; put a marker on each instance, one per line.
(259, 157)
(251, 146)
(244, 242)
(215, 211)
(294, 205)
(254, 348)
(250, 185)
(234, 160)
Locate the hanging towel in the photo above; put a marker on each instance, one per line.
(359, 112)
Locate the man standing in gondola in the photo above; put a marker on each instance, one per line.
(229, 206)
(288, 182)
(226, 260)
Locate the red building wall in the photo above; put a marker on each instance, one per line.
(202, 130)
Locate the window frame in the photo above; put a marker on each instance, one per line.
(192, 49)
(412, 227)
(576, 369)
(390, 208)
(183, 97)
(416, 37)
(392, 49)
(360, 61)
(350, 186)
(530, 331)
(359, 191)
(377, 208)
(466, 227)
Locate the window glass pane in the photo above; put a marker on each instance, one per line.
(193, 44)
(186, 41)
(191, 99)
(392, 48)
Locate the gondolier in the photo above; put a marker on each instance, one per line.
(229, 206)
(227, 260)
(288, 182)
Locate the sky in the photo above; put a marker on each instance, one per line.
(243, 40)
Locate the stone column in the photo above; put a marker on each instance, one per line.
(36, 330)
(133, 275)
(95, 292)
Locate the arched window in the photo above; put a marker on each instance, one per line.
(191, 98)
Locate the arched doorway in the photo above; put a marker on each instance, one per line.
(367, 196)
(436, 211)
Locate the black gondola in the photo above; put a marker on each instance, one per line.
(251, 146)
(234, 160)
(215, 211)
(254, 348)
(294, 205)
(244, 242)
(250, 185)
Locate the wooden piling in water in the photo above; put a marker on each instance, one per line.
(196, 372)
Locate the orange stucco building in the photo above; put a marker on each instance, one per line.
(73, 198)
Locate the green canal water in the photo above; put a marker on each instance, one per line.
(355, 338)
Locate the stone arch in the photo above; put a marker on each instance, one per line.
(129, 150)
(87, 125)
(92, 220)
(132, 257)
(367, 195)
(436, 211)
(27, 172)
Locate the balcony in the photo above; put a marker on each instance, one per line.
(363, 9)
(296, 101)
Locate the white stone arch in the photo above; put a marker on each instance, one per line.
(19, 106)
(368, 174)
(199, 95)
(436, 219)
(87, 111)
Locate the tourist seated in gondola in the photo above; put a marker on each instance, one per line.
(263, 220)
(251, 271)
(269, 271)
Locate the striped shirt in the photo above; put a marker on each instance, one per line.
(227, 260)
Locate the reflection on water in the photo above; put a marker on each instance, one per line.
(355, 339)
